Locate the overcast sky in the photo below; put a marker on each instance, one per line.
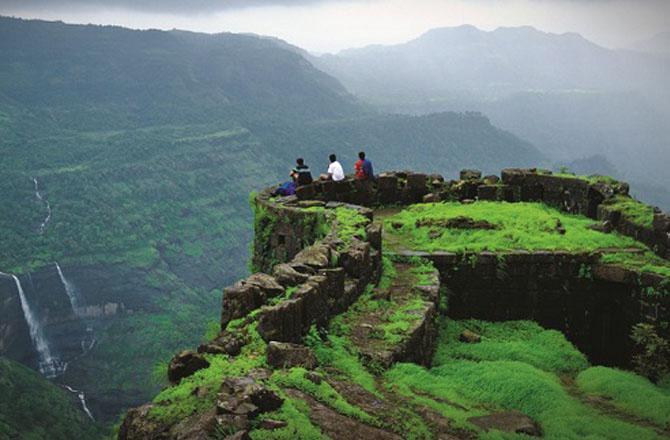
(332, 25)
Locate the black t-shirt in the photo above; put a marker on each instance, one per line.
(304, 175)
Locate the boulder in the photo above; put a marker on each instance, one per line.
(245, 398)
(266, 283)
(470, 174)
(270, 424)
(661, 223)
(469, 337)
(508, 421)
(226, 343)
(291, 274)
(287, 355)
(316, 256)
(185, 364)
(137, 425)
(432, 198)
(491, 179)
(239, 300)
(605, 227)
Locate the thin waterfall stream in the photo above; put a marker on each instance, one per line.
(39, 196)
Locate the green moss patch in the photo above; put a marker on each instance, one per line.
(647, 262)
(523, 341)
(628, 392)
(632, 210)
(518, 226)
(518, 366)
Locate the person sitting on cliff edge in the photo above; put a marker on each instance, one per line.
(363, 168)
(335, 170)
(301, 174)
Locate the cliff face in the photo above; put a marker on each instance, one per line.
(322, 341)
(73, 323)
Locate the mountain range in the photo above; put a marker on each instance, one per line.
(568, 96)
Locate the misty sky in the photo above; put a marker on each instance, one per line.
(332, 25)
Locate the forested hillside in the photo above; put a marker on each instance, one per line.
(145, 145)
(24, 394)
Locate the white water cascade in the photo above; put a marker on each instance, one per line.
(71, 291)
(88, 341)
(46, 203)
(49, 366)
(82, 399)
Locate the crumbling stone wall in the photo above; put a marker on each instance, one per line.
(325, 275)
(595, 305)
(570, 194)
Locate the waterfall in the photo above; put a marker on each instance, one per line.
(82, 399)
(71, 291)
(48, 365)
(46, 203)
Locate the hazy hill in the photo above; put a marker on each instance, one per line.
(565, 94)
(659, 43)
(146, 145)
(26, 394)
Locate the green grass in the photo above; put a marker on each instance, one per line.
(337, 352)
(523, 341)
(517, 366)
(628, 392)
(647, 262)
(349, 224)
(512, 385)
(323, 392)
(520, 226)
(634, 211)
(177, 402)
(296, 413)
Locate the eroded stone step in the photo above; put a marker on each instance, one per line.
(397, 322)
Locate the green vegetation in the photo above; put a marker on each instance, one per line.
(516, 366)
(522, 341)
(632, 210)
(628, 392)
(652, 357)
(26, 393)
(323, 392)
(177, 402)
(349, 224)
(647, 262)
(518, 226)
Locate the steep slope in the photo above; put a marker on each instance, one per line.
(145, 146)
(564, 94)
(25, 394)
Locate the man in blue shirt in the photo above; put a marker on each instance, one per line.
(363, 168)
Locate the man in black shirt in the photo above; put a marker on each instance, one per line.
(301, 174)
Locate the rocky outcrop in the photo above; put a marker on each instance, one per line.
(514, 422)
(185, 364)
(287, 355)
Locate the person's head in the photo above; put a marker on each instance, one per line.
(300, 161)
(361, 155)
(332, 158)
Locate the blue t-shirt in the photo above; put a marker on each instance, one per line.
(367, 169)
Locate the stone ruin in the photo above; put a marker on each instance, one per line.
(292, 251)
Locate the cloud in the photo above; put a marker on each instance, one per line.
(159, 6)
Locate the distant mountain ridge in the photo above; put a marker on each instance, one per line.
(566, 95)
